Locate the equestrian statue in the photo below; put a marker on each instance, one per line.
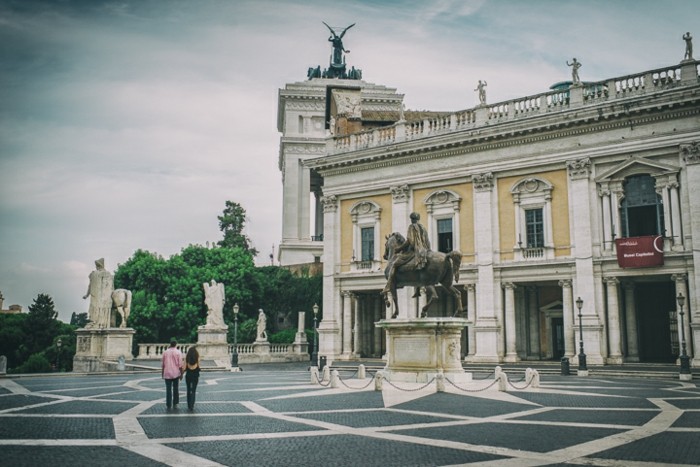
(411, 262)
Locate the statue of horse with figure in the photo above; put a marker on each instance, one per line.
(440, 268)
(121, 301)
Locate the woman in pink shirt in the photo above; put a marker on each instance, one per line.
(171, 371)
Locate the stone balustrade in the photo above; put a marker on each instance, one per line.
(258, 352)
(548, 102)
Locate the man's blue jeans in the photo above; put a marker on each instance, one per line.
(172, 394)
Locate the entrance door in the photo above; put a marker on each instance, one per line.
(557, 338)
(655, 305)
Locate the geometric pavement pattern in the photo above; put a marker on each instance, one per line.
(275, 416)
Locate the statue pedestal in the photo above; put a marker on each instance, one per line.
(418, 349)
(96, 346)
(212, 344)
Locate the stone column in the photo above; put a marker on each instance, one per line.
(356, 328)
(534, 320)
(567, 301)
(604, 193)
(329, 333)
(509, 322)
(690, 154)
(377, 305)
(631, 323)
(676, 214)
(679, 279)
(347, 324)
(487, 300)
(581, 210)
(661, 189)
(400, 212)
(613, 325)
(471, 316)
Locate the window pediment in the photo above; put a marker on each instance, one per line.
(635, 165)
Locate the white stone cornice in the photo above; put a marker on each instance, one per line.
(400, 194)
(305, 105)
(483, 182)
(579, 169)
(691, 152)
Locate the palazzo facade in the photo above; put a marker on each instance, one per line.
(589, 190)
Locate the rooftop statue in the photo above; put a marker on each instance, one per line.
(412, 262)
(481, 89)
(575, 65)
(338, 48)
(688, 46)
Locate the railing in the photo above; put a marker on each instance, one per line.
(533, 253)
(248, 353)
(539, 104)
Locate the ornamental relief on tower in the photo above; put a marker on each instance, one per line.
(318, 106)
(305, 148)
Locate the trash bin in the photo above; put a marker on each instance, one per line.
(321, 363)
(565, 367)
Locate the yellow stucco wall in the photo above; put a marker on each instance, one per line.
(560, 212)
(346, 227)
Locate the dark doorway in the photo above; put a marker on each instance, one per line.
(655, 305)
(557, 338)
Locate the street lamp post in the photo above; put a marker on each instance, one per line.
(314, 355)
(234, 352)
(58, 353)
(582, 367)
(685, 360)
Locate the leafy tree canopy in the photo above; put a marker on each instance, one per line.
(232, 223)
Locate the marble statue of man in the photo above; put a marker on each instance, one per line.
(262, 325)
(100, 292)
(575, 65)
(481, 89)
(214, 298)
(688, 46)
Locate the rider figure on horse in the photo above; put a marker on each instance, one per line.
(416, 246)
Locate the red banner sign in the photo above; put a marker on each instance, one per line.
(640, 252)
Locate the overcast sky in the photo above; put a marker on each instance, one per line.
(127, 125)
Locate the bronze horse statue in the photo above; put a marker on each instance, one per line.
(440, 269)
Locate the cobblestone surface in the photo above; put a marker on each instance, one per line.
(273, 416)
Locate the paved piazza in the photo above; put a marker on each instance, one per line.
(274, 416)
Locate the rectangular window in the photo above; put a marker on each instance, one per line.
(534, 228)
(444, 228)
(367, 243)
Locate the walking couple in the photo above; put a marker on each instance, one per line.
(172, 371)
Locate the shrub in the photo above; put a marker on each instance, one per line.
(36, 363)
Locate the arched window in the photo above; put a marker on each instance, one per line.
(641, 209)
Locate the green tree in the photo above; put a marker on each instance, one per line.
(232, 223)
(41, 324)
(79, 320)
(168, 296)
(284, 293)
(13, 339)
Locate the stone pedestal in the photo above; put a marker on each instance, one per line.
(420, 348)
(212, 344)
(97, 346)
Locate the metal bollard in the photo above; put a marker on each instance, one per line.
(565, 368)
